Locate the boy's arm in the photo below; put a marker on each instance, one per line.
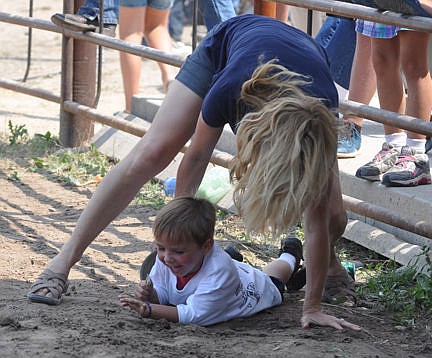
(149, 310)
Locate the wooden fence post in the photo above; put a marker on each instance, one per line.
(78, 84)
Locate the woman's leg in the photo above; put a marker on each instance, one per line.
(151, 155)
(157, 36)
(363, 80)
(391, 94)
(131, 30)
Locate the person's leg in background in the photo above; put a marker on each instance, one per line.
(410, 48)
(351, 67)
(176, 20)
(157, 36)
(136, 22)
(132, 31)
(361, 89)
(282, 12)
(217, 11)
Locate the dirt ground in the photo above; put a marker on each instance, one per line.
(38, 215)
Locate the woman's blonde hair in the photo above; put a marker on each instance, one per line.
(286, 147)
(184, 219)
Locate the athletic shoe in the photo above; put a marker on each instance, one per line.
(410, 169)
(380, 164)
(76, 22)
(349, 141)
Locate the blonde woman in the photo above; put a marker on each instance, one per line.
(272, 84)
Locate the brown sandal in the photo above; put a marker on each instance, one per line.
(56, 283)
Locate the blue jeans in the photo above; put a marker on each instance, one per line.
(176, 20)
(90, 10)
(216, 11)
(337, 36)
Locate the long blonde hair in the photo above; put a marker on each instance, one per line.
(286, 147)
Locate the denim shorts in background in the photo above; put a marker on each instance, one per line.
(154, 4)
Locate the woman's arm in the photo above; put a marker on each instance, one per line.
(318, 226)
(196, 159)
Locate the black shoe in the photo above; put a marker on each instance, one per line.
(234, 253)
(293, 246)
(147, 265)
(76, 22)
(297, 280)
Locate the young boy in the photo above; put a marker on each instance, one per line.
(195, 281)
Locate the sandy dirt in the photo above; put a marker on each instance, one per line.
(37, 216)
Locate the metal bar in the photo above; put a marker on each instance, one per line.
(98, 39)
(22, 88)
(99, 54)
(363, 12)
(29, 44)
(375, 212)
(194, 24)
(387, 117)
(91, 114)
(224, 159)
(309, 22)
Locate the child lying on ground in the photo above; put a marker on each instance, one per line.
(195, 281)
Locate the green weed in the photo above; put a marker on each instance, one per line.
(151, 194)
(405, 291)
(18, 133)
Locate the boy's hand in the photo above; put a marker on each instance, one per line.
(144, 290)
(134, 304)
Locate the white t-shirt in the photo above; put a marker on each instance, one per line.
(221, 290)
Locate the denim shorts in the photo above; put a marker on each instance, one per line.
(197, 71)
(154, 4)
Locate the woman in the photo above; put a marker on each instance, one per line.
(272, 84)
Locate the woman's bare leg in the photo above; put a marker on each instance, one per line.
(151, 155)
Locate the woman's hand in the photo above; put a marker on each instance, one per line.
(321, 319)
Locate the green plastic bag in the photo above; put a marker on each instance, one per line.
(215, 185)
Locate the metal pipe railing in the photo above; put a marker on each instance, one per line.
(224, 159)
(363, 12)
(383, 116)
(95, 38)
(36, 92)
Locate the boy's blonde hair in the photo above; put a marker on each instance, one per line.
(185, 219)
(286, 147)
